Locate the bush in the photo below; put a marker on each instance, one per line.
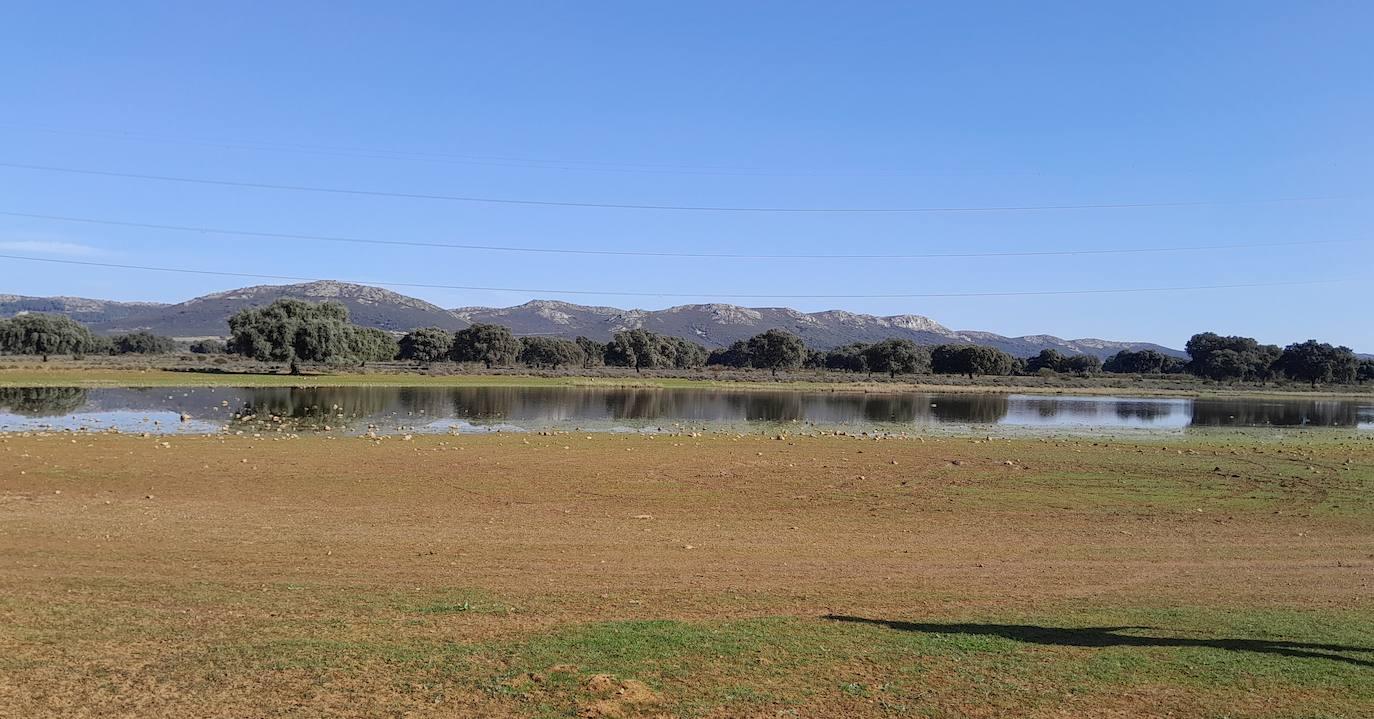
(142, 343)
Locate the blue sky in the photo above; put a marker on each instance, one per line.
(782, 104)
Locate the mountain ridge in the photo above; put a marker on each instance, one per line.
(711, 324)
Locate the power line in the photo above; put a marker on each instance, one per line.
(630, 206)
(649, 253)
(546, 291)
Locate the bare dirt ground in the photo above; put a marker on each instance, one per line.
(605, 575)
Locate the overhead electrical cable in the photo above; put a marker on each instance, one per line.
(633, 206)
(547, 291)
(663, 253)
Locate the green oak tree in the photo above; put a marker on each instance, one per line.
(1231, 358)
(145, 343)
(896, 356)
(492, 345)
(736, 355)
(1319, 363)
(852, 358)
(425, 345)
(45, 335)
(551, 352)
(971, 360)
(369, 344)
(1365, 372)
(680, 353)
(593, 352)
(638, 348)
(775, 349)
(1142, 362)
(1081, 364)
(292, 331)
(1048, 359)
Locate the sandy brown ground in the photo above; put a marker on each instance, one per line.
(123, 559)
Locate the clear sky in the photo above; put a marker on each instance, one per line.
(1242, 105)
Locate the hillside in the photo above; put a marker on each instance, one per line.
(81, 309)
(718, 325)
(208, 315)
(713, 325)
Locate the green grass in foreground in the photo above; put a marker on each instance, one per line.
(931, 667)
(1197, 660)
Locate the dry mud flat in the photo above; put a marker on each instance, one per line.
(603, 575)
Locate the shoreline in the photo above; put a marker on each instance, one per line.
(38, 375)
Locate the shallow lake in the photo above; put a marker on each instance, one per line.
(487, 409)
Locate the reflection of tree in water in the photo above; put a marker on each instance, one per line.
(973, 409)
(1285, 413)
(1143, 411)
(317, 407)
(422, 401)
(893, 408)
(485, 402)
(526, 403)
(637, 404)
(549, 404)
(768, 406)
(42, 401)
(345, 407)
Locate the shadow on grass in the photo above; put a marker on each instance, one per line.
(224, 371)
(1109, 637)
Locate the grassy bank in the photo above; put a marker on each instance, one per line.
(119, 372)
(600, 575)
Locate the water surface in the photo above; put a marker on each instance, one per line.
(486, 409)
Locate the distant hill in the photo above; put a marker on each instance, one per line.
(718, 325)
(208, 316)
(90, 312)
(713, 325)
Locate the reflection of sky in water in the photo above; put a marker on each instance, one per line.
(1041, 411)
(460, 426)
(356, 410)
(125, 421)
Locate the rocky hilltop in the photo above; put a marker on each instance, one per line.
(713, 325)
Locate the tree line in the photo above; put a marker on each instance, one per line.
(1244, 359)
(295, 332)
(46, 335)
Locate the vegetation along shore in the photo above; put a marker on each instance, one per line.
(316, 344)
